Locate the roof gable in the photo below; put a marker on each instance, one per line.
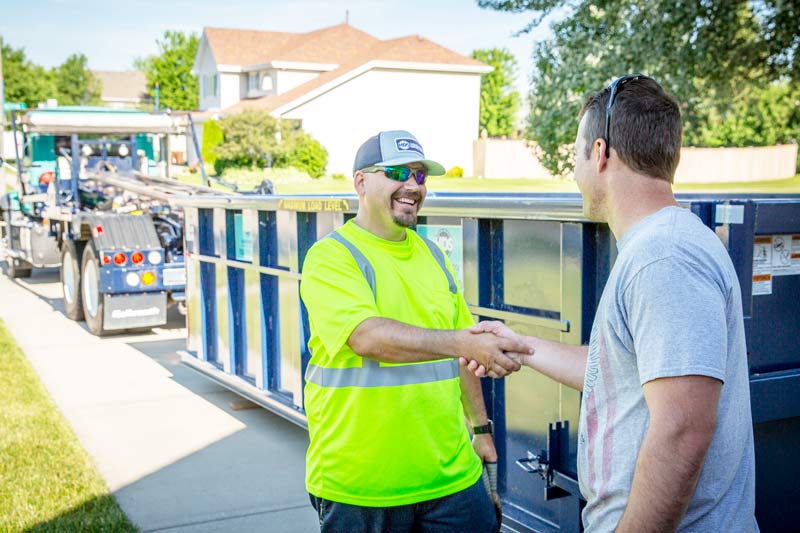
(347, 50)
(335, 45)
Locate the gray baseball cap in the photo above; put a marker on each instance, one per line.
(393, 148)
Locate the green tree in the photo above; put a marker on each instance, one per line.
(24, 80)
(499, 101)
(706, 53)
(75, 83)
(172, 70)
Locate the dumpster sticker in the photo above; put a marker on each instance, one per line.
(762, 265)
(729, 214)
(243, 240)
(785, 255)
(450, 239)
(322, 204)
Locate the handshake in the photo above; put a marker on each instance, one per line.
(493, 349)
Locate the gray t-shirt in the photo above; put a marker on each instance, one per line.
(671, 307)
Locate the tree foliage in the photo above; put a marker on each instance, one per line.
(75, 83)
(250, 139)
(24, 80)
(172, 70)
(71, 83)
(499, 100)
(715, 56)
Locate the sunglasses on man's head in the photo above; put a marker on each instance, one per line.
(614, 90)
(400, 173)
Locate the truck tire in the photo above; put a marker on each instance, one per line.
(90, 291)
(71, 279)
(18, 268)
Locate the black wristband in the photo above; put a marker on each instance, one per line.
(482, 430)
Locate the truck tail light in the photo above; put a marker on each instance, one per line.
(137, 258)
(120, 259)
(148, 278)
(106, 259)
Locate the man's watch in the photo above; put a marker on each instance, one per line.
(481, 430)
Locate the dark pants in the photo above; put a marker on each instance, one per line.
(466, 511)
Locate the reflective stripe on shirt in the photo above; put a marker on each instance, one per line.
(374, 375)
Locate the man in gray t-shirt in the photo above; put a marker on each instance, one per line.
(671, 307)
(665, 439)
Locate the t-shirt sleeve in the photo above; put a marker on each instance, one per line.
(677, 317)
(335, 293)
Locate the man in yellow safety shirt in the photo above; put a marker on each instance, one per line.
(384, 396)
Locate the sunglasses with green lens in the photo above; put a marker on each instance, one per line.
(400, 173)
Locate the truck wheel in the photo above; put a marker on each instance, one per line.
(17, 268)
(71, 279)
(90, 291)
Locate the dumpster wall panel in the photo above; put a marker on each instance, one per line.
(291, 372)
(223, 345)
(532, 264)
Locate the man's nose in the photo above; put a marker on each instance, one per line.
(411, 183)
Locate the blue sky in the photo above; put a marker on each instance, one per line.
(113, 33)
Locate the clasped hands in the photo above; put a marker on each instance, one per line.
(495, 350)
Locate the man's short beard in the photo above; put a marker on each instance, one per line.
(405, 221)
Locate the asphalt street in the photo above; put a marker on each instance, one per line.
(171, 448)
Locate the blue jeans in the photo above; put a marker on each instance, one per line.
(466, 511)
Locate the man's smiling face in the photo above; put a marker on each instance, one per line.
(392, 205)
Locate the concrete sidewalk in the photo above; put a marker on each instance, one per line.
(173, 452)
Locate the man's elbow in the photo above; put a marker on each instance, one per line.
(360, 343)
(691, 440)
(364, 340)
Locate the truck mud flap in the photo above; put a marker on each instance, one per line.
(134, 310)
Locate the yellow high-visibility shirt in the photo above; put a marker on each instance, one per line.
(382, 434)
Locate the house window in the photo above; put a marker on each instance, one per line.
(253, 81)
(209, 83)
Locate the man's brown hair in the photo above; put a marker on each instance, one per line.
(645, 126)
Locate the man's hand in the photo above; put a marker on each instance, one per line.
(483, 445)
(500, 330)
(490, 352)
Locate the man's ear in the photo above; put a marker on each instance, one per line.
(599, 153)
(359, 181)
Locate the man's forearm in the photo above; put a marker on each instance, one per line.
(391, 341)
(564, 363)
(666, 475)
(472, 398)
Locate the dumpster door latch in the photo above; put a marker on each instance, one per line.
(551, 463)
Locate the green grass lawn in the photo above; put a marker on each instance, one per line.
(289, 181)
(47, 481)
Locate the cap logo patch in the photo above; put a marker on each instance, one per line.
(408, 145)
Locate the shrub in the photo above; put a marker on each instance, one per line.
(338, 176)
(306, 153)
(212, 137)
(455, 172)
(250, 140)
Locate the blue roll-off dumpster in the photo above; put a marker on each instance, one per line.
(530, 260)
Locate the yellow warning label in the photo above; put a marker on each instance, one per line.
(322, 204)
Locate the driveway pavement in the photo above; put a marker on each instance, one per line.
(174, 453)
